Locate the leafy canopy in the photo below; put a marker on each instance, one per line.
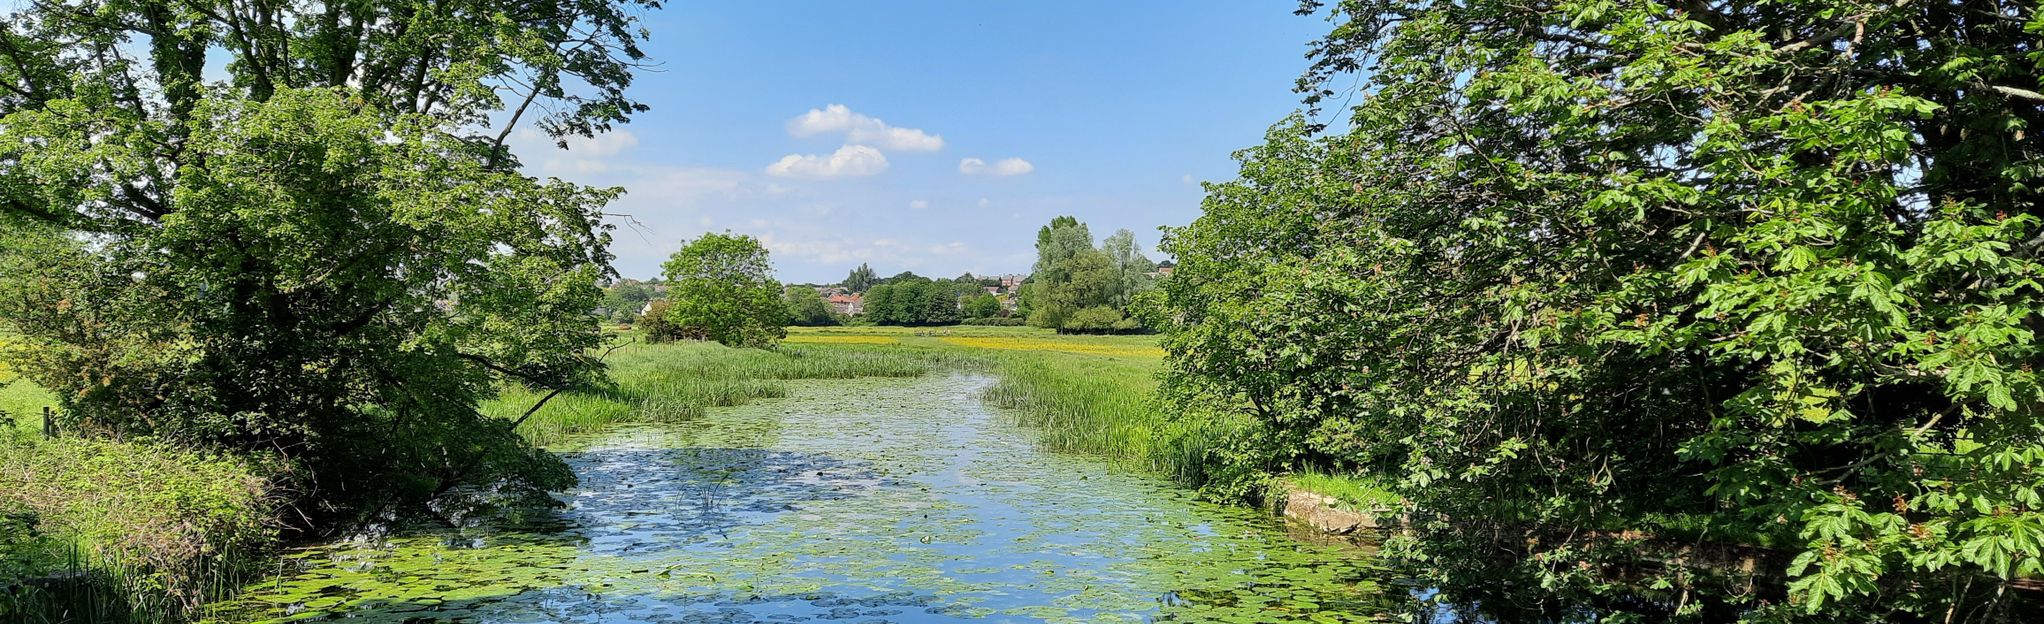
(326, 254)
(721, 287)
(1586, 278)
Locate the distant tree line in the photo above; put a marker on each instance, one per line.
(1077, 288)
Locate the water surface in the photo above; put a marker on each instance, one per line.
(870, 501)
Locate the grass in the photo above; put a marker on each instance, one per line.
(1088, 394)
(1353, 493)
(143, 532)
(653, 382)
(23, 403)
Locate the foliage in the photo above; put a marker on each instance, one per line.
(1575, 272)
(1072, 276)
(806, 307)
(626, 299)
(913, 301)
(1097, 320)
(722, 288)
(982, 306)
(657, 326)
(860, 279)
(325, 251)
(170, 526)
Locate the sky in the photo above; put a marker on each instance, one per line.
(933, 137)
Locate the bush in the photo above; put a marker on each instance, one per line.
(1095, 320)
(657, 326)
(169, 528)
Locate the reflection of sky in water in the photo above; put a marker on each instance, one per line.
(897, 500)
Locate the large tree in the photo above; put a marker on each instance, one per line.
(1131, 268)
(325, 252)
(1588, 280)
(722, 288)
(1071, 275)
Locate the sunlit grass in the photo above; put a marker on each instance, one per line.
(1354, 493)
(1086, 394)
(834, 339)
(677, 381)
(23, 403)
(1058, 345)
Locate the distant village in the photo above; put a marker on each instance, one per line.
(1004, 288)
(846, 301)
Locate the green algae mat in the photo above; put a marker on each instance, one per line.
(871, 501)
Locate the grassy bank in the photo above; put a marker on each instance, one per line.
(104, 530)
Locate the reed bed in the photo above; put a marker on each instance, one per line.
(656, 382)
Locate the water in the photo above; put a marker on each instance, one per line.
(872, 500)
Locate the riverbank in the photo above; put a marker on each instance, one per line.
(1092, 395)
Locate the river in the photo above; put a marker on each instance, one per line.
(865, 500)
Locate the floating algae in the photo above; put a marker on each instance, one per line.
(874, 500)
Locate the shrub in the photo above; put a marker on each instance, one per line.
(1093, 320)
(657, 326)
(169, 528)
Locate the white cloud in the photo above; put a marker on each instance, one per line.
(606, 144)
(858, 128)
(1005, 167)
(848, 161)
(1187, 179)
(949, 249)
(918, 204)
(584, 156)
(828, 249)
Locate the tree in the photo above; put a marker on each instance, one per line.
(1057, 242)
(327, 252)
(722, 288)
(982, 306)
(807, 308)
(860, 279)
(939, 303)
(1579, 272)
(879, 305)
(1084, 280)
(1131, 269)
(625, 299)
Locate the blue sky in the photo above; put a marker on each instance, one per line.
(840, 132)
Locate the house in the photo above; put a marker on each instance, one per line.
(845, 303)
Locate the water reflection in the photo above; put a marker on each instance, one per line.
(863, 501)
